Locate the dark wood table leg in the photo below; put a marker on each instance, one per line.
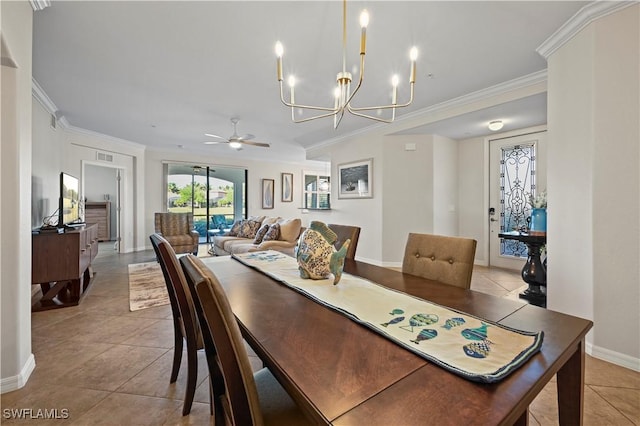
(523, 420)
(570, 383)
(535, 274)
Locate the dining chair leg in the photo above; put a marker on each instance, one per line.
(192, 376)
(177, 352)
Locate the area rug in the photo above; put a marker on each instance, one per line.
(146, 286)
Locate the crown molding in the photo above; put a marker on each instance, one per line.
(37, 5)
(39, 94)
(43, 98)
(477, 96)
(577, 22)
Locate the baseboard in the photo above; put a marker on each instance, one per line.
(616, 358)
(9, 384)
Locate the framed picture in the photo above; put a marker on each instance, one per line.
(355, 180)
(287, 187)
(267, 193)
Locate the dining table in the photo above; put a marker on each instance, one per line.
(342, 373)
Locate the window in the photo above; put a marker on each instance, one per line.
(317, 191)
(216, 196)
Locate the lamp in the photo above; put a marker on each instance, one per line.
(342, 92)
(495, 125)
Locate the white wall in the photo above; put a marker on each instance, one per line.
(593, 181)
(408, 192)
(15, 191)
(473, 194)
(445, 186)
(45, 171)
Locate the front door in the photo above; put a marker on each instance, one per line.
(517, 168)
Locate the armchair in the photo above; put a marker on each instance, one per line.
(177, 229)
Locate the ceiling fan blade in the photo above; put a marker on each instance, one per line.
(214, 142)
(245, 137)
(255, 143)
(215, 136)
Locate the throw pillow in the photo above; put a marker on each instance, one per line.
(261, 233)
(290, 229)
(273, 233)
(235, 228)
(249, 229)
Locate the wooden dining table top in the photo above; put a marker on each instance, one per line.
(340, 372)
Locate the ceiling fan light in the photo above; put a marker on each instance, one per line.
(235, 145)
(495, 125)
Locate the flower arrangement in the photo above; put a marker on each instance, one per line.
(539, 201)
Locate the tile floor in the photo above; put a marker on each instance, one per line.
(99, 364)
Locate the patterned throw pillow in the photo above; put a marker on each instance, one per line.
(249, 229)
(235, 228)
(273, 233)
(261, 233)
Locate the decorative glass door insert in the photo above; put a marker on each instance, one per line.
(517, 184)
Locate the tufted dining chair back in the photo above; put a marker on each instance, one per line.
(448, 260)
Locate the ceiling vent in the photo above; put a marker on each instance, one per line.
(103, 156)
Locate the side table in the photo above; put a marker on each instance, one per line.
(534, 272)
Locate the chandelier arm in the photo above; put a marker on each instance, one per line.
(390, 106)
(359, 80)
(333, 110)
(315, 117)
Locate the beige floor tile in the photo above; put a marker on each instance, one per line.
(158, 335)
(603, 373)
(154, 379)
(627, 401)
(55, 362)
(114, 329)
(67, 400)
(111, 369)
(123, 409)
(199, 415)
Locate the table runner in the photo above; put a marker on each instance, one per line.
(476, 349)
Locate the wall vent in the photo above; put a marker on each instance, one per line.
(103, 156)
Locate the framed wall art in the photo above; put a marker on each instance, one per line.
(267, 193)
(287, 187)
(355, 180)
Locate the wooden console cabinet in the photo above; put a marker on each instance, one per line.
(99, 212)
(61, 264)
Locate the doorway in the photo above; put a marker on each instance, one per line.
(517, 170)
(101, 188)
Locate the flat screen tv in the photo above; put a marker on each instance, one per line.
(69, 208)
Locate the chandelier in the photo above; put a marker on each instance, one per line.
(342, 93)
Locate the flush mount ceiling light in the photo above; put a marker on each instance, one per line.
(495, 125)
(342, 92)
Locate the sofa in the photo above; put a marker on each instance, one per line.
(259, 233)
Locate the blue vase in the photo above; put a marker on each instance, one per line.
(538, 221)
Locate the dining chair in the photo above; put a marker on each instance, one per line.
(248, 398)
(344, 233)
(448, 260)
(186, 327)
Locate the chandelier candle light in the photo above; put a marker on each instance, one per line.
(342, 92)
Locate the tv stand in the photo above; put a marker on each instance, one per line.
(61, 265)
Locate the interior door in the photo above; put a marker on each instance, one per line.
(518, 169)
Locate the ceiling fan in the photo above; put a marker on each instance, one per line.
(235, 141)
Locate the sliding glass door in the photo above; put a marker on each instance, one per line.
(214, 195)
